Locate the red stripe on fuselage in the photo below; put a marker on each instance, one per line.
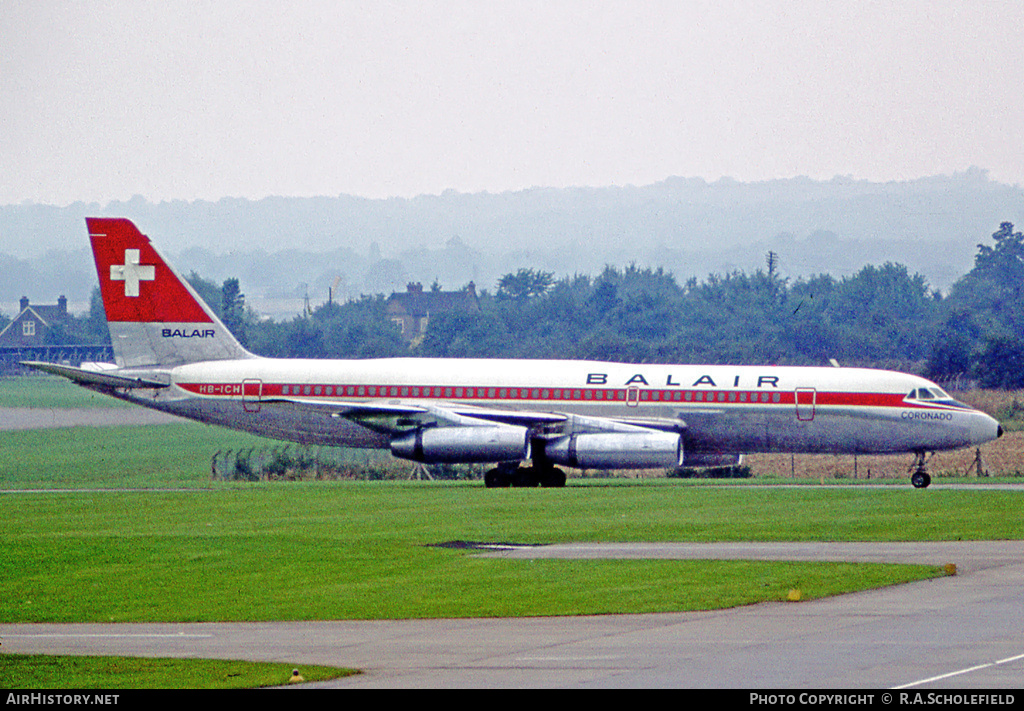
(554, 395)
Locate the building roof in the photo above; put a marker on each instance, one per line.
(418, 303)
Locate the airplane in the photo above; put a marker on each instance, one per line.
(527, 417)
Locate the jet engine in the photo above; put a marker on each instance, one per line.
(616, 450)
(486, 443)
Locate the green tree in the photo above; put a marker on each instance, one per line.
(467, 335)
(207, 290)
(1004, 262)
(525, 284)
(358, 329)
(983, 314)
(232, 309)
(1000, 364)
(884, 313)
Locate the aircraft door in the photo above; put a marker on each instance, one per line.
(252, 391)
(805, 401)
(632, 396)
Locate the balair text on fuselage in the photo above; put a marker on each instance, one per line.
(640, 379)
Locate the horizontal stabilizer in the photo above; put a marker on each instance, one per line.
(92, 377)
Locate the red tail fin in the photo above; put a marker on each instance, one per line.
(136, 283)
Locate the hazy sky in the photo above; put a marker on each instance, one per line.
(184, 100)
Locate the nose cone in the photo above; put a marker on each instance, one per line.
(984, 429)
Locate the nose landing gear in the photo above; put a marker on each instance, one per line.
(920, 478)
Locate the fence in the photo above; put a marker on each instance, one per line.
(11, 356)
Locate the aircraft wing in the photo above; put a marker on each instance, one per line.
(397, 417)
(393, 417)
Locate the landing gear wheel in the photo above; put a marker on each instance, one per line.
(501, 478)
(525, 477)
(920, 478)
(553, 477)
(497, 479)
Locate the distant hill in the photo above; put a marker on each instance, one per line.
(690, 227)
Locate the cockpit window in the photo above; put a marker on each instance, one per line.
(928, 394)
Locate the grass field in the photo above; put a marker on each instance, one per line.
(38, 671)
(154, 456)
(50, 391)
(361, 550)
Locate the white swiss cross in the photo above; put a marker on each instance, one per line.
(131, 272)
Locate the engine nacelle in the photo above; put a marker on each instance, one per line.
(711, 459)
(616, 450)
(497, 443)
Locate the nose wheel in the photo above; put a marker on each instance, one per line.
(920, 478)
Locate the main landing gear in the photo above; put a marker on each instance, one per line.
(920, 478)
(503, 476)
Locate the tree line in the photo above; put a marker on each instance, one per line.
(881, 316)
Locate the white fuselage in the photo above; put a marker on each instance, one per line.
(718, 409)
